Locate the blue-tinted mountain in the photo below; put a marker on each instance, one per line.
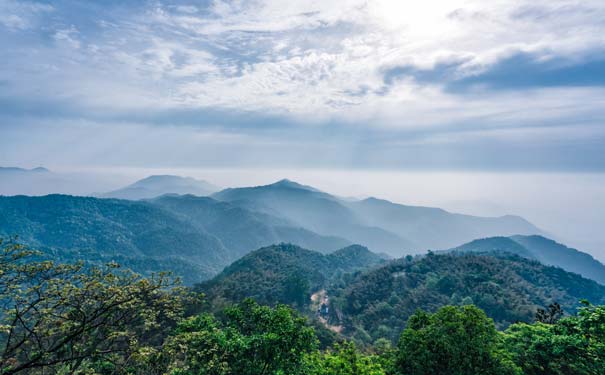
(543, 250)
(91, 229)
(316, 211)
(435, 228)
(196, 237)
(381, 225)
(155, 186)
(4, 170)
(242, 230)
(35, 181)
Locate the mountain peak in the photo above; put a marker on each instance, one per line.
(292, 185)
(158, 185)
(23, 170)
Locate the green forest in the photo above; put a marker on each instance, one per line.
(81, 319)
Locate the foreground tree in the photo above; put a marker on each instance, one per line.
(251, 340)
(453, 341)
(573, 345)
(70, 317)
(345, 359)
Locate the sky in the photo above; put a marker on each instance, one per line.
(498, 89)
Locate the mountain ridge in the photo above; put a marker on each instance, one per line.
(383, 226)
(157, 185)
(542, 249)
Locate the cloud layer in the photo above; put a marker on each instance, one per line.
(384, 83)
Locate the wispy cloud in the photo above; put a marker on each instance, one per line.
(373, 75)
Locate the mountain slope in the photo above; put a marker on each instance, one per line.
(283, 273)
(82, 228)
(193, 236)
(242, 230)
(155, 186)
(316, 211)
(434, 228)
(494, 244)
(381, 225)
(36, 181)
(509, 288)
(550, 252)
(542, 249)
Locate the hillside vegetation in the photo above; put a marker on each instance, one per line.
(542, 249)
(284, 273)
(376, 304)
(372, 298)
(194, 237)
(70, 319)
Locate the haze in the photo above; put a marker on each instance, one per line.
(478, 107)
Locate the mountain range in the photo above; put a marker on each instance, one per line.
(380, 225)
(197, 236)
(193, 236)
(371, 298)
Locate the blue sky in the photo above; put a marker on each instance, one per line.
(432, 85)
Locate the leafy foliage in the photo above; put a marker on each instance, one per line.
(456, 340)
(573, 345)
(251, 339)
(67, 316)
(344, 359)
(77, 319)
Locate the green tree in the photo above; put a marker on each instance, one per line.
(345, 359)
(57, 316)
(573, 345)
(251, 340)
(453, 341)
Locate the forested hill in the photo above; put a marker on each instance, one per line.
(195, 237)
(509, 288)
(139, 235)
(284, 273)
(542, 249)
(373, 298)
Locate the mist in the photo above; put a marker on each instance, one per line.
(568, 206)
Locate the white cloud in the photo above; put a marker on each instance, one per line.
(68, 36)
(21, 15)
(314, 60)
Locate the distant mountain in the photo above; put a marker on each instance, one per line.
(36, 181)
(316, 211)
(381, 225)
(542, 249)
(155, 186)
(91, 229)
(23, 170)
(376, 304)
(242, 230)
(435, 228)
(284, 273)
(193, 236)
